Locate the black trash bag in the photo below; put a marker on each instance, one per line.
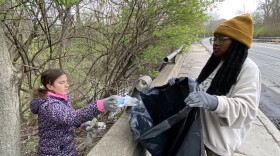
(163, 123)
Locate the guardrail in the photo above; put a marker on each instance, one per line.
(267, 39)
(171, 57)
(260, 39)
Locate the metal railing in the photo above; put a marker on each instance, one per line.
(260, 39)
(267, 39)
(171, 57)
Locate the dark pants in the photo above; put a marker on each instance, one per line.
(210, 152)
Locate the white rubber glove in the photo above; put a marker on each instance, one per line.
(110, 103)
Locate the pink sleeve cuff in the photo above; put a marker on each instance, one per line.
(100, 105)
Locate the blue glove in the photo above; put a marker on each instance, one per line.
(110, 103)
(202, 99)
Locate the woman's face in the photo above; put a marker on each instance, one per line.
(221, 45)
(60, 85)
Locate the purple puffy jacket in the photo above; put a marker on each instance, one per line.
(56, 118)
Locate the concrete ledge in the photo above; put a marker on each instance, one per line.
(117, 141)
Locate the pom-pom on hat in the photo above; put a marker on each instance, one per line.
(239, 28)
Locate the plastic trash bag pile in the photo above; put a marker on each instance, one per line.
(163, 123)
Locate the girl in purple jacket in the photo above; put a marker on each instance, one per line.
(56, 116)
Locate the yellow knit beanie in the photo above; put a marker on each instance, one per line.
(239, 28)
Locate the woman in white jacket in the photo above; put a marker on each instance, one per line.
(230, 88)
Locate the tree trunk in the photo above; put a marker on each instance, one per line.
(9, 105)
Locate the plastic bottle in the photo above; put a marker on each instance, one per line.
(128, 101)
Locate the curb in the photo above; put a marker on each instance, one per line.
(271, 129)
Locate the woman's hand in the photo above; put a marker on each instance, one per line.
(202, 99)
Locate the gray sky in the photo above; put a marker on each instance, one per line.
(228, 8)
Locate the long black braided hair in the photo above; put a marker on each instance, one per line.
(227, 75)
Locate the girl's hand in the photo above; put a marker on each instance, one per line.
(110, 103)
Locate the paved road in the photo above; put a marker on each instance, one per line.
(267, 57)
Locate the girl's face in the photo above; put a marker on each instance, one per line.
(221, 45)
(60, 85)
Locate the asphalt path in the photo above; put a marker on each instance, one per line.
(267, 57)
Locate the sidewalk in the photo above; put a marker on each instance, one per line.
(263, 138)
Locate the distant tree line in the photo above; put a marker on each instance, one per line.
(266, 19)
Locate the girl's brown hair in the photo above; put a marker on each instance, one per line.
(47, 77)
